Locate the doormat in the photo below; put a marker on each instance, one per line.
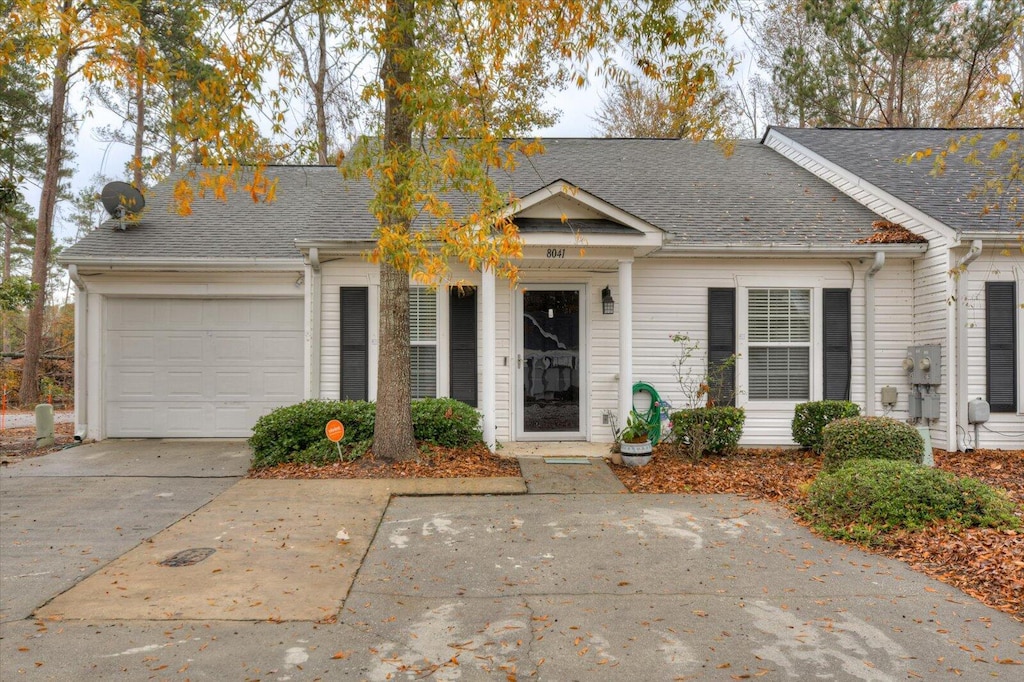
(566, 460)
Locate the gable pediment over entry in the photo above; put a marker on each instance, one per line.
(561, 214)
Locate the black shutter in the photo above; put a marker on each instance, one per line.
(722, 345)
(355, 347)
(462, 345)
(837, 343)
(1001, 345)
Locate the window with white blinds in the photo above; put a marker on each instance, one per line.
(779, 350)
(423, 342)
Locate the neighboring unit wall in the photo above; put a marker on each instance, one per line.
(933, 287)
(1004, 429)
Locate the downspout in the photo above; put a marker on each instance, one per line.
(869, 333)
(958, 392)
(81, 354)
(316, 306)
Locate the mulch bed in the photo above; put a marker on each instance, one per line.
(19, 444)
(434, 462)
(986, 564)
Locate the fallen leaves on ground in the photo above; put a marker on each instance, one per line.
(434, 462)
(18, 444)
(985, 563)
(765, 474)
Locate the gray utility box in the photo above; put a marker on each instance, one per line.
(924, 364)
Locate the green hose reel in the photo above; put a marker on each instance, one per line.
(652, 409)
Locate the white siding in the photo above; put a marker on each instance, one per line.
(1003, 430)
(670, 296)
(350, 271)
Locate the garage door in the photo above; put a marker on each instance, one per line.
(199, 367)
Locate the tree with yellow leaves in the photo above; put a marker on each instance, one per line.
(453, 117)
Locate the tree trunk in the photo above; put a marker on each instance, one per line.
(319, 90)
(392, 434)
(140, 121)
(29, 393)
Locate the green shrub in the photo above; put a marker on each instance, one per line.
(866, 498)
(708, 430)
(446, 422)
(810, 418)
(870, 438)
(296, 433)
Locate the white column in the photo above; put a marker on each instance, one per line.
(488, 396)
(625, 305)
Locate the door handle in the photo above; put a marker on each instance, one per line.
(519, 362)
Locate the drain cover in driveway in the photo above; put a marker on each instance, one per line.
(566, 460)
(188, 557)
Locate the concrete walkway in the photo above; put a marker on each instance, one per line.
(433, 586)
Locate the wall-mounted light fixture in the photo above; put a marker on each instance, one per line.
(607, 302)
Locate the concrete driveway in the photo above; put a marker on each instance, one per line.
(551, 587)
(65, 515)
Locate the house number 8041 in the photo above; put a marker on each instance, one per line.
(556, 253)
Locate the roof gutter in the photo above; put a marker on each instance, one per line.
(197, 264)
(81, 353)
(958, 392)
(746, 250)
(869, 336)
(336, 246)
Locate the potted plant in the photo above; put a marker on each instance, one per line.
(635, 441)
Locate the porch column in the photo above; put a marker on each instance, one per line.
(487, 321)
(625, 339)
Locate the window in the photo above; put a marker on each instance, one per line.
(423, 342)
(779, 350)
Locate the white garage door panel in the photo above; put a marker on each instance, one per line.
(199, 368)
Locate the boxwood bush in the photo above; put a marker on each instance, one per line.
(870, 438)
(708, 430)
(864, 499)
(296, 433)
(446, 422)
(810, 418)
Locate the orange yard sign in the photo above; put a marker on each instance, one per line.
(335, 430)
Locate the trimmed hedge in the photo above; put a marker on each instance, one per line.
(446, 422)
(708, 430)
(296, 433)
(865, 499)
(809, 419)
(870, 438)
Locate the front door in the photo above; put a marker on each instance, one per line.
(550, 363)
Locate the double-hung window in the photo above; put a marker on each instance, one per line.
(779, 344)
(423, 342)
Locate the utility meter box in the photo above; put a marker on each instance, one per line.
(930, 406)
(978, 411)
(923, 364)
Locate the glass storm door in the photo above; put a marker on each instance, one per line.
(549, 362)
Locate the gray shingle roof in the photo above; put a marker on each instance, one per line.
(872, 153)
(693, 192)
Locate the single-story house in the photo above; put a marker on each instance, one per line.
(195, 326)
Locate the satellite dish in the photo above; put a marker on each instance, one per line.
(121, 201)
